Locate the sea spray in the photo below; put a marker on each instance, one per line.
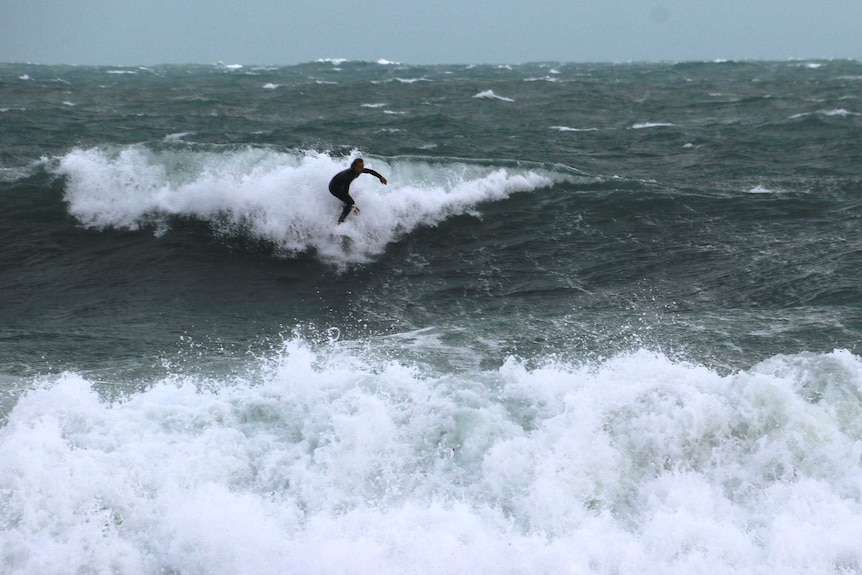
(325, 459)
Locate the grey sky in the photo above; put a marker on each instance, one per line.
(146, 32)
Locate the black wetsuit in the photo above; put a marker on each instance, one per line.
(339, 187)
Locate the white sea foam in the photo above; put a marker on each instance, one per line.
(14, 174)
(840, 112)
(490, 95)
(568, 129)
(411, 80)
(177, 137)
(332, 461)
(760, 189)
(647, 125)
(279, 197)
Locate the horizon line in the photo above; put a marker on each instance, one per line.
(387, 62)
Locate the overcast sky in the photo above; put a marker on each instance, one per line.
(147, 32)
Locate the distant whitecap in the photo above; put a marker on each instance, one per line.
(760, 189)
(177, 137)
(568, 129)
(489, 94)
(646, 125)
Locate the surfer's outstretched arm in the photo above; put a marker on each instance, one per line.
(375, 174)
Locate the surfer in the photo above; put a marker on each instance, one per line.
(339, 186)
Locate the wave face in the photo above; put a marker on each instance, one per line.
(602, 319)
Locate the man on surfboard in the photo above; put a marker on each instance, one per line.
(339, 186)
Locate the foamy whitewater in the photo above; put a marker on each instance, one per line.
(603, 319)
(332, 462)
(276, 197)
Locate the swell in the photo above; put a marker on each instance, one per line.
(771, 247)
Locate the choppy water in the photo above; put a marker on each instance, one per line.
(602, 319)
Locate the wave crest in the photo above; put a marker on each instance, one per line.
(280, 197)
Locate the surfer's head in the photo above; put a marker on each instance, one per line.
(358, 165)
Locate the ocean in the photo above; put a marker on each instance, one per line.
(603, 318)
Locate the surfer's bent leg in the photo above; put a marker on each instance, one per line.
(344, 196)
(345, 212)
